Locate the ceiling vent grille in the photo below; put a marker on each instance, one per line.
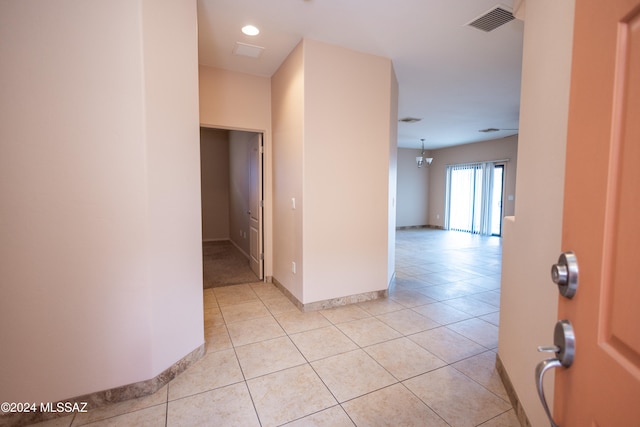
(492, 19)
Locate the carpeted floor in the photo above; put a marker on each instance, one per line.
(224, 264)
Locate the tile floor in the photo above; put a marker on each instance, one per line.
(423, 357)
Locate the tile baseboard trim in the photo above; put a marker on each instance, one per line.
(330, 303)
(419, 227)
(107, 397)
(511, 392)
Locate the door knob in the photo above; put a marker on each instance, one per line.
(564, 348)
(565, 274)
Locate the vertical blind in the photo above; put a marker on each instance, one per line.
(469, 197)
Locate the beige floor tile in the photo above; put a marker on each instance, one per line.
(157, 398)
(408, 322)
(471, 306)
(456, 398)
(447, 344)
(297, 321)
(380, 306)
(490, 297)
(254, 330)
(217, 338)
(403, 358)
(331, 417)
(280, 304)
(266, 290)
(155, 416)
(484, 333)
(244, 311)
(269, 356)
(493, 318)
(345, 313)
(227, 406)
(288, 395)
(442, 313)
(324, 342)
(368, 331)
(236, 294)
(482, 369)
(55, 422)
(214, 370)
(392, 406)
(352, 374)
(450, 290)
(508, 419)
(213, 319)
(410, 298)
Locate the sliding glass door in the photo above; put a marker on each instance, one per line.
(474, 198)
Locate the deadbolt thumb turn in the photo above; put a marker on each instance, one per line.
(564, 347)
(565, 274)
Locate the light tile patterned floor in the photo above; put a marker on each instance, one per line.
(423, 357)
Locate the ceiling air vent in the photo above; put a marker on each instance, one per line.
(409, 120)
(492, 19)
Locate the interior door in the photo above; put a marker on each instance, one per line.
(255, 206)
(601, 221)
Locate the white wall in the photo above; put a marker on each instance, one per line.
(214, 173)
(528, 307)
(100, 215)
(413, 189)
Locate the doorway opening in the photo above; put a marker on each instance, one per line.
(232, 208)
(474, 198)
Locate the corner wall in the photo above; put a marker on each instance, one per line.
(100, 232)
(532, 240)
(334, 133)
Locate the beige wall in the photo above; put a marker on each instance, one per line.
(287, 86)
(498, 149)
(239, 159)
(237, 101)
(531, 244)
(214, 173)
(413, 189)
(331, 108)
(347, 106)
(101, 261)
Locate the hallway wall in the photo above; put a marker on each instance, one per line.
(532, 239)
(214, 173)
(101, 255)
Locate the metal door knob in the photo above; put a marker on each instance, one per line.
(564, 348)
(565, 274)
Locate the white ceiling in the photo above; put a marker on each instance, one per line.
(458, 79)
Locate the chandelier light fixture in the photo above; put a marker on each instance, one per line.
(421, 159)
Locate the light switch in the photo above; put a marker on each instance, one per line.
(293, 203)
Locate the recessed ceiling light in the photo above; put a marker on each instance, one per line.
(250, 30)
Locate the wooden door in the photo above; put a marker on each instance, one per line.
(255, 206)
(601, 221)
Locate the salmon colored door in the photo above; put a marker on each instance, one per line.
(601, 221)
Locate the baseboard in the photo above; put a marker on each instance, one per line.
(511, 392)
(223, 240)
(330, 303)
(418, 227)
(246, 255)
(107, 397)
